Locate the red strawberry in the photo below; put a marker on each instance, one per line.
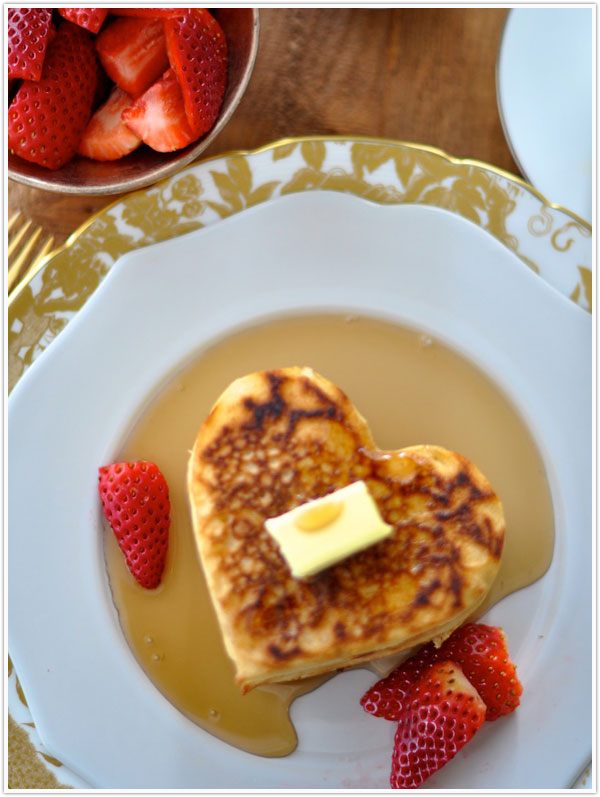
(28, 37)
(148, 12)
(107, 137)
(482, 653)
(443, 713)
(387, 698)
(158, 116)
(198, 53)
(133, 52)
(89, 18)
(47, 118)
(135, 500)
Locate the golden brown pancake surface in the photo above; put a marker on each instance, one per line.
(276, 439)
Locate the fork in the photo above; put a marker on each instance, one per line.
(26, 249)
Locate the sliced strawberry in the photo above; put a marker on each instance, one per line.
(133, 52)
(28, 37)
(135, 500)
(158, 116)
(47, 117)
(197, 51)
(482, 652)
(387, 698)
(89, 18)
(148, 12)
(443, 713)
(107, 137)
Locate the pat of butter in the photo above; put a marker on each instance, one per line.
(320, 533)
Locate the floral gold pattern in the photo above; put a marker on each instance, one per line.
(551, 241)
(25, 769)
(380, 171)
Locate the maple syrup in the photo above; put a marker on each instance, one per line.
(412, 389)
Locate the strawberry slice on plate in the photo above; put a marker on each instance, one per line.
(197, 51)
(107, 137)
(482, 652)
(387, 698)
(47, 117)
(135, 500)
(89, 18)
(28, 35)
(443, 713)
(158, 116)
(133, 53)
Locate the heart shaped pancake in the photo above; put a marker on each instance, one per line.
(277, 439)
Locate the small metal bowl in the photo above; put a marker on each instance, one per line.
(144, 166)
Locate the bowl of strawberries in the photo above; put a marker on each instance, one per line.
(108, 100)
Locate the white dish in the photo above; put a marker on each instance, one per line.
(545, 96)
(94, 708)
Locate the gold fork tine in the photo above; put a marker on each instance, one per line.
(26, 250)
(24, 262)
(18, 238)
(34, 266)
(13, 220)
(21, 259)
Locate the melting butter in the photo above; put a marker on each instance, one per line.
(340, 524)
(316, 518)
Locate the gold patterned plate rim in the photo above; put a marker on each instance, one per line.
(284, 142)
(538, 227)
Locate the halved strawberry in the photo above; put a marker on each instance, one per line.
(197, 51)
(442, 714)
(148, 12)
(28, 34)
(47, 117)
(482, 652)
(133, 52)
(89, 18)
(158, 116)
(387, 698)
(107, 137)
(135, 500)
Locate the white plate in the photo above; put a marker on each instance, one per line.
(545, 96)
(94, 708)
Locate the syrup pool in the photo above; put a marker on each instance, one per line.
(411, 389)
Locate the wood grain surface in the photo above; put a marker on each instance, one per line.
(425, 75)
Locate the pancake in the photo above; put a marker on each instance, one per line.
(276, 439)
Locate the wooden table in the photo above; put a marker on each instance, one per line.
(425, 75)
